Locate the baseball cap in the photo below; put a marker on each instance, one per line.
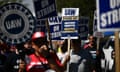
(38, 35)
(39, 38)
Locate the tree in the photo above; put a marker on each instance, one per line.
(2, 2)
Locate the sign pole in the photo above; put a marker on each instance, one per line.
(98, 41)
(68, 49)
(117, 52)
(48, 29)
(68, 45)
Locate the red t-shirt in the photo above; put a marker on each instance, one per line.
(40, 64)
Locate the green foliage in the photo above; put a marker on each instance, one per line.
(2, 2)
(84, 5)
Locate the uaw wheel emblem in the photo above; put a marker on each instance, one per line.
(16, 23)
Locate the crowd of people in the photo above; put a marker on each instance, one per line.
(36, 56)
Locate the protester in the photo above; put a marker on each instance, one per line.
(96, 53)
(2, 56)
(43, 59)
(22, 66)
(108, 61)
(28, 48)
(62, 50)
(91, 46)
(80, 60)
(14, 60)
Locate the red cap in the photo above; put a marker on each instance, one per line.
(38, 35)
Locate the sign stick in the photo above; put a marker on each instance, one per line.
(117, 52)
(48, 29)
(68, 45)
(98, 41)
(68, 49)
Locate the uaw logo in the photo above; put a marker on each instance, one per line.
(16, 23)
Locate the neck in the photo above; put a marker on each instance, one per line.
(37, 54)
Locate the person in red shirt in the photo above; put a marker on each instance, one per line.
(43, 59)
